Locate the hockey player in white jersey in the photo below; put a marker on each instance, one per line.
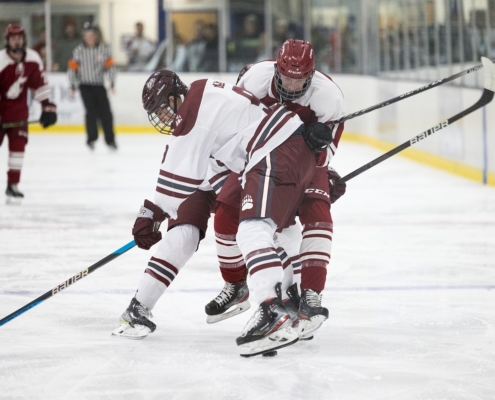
(215, 120)
(293, 81)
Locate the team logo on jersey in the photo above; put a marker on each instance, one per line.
(247, 203)
(19, 69)
(16, 89)
(178, 120)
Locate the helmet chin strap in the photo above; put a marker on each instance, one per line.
(175, 93)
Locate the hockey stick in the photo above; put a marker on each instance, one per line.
(486, 97)
(16, 124)
(57, 289)
(412, 93)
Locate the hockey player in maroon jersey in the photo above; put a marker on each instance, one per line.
(293, 81)
(20, 69)
(220, 127)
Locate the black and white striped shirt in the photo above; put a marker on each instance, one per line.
(88, 65)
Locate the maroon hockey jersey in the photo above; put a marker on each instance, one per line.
(15, 80)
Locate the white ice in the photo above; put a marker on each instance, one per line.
(410, 289)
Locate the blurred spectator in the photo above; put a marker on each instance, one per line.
(210, 57)
(139, 50)
(196, 47)
(284, 30)
(247, 46)
(40, 48)
(66, 44)
(90, 61)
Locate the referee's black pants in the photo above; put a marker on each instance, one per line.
(97, 106)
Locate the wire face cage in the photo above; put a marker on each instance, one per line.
(162, 120)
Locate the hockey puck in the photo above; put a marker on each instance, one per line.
(270, 353)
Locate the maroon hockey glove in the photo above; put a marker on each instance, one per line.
(48, 114)
(336, 189)
(146, 228)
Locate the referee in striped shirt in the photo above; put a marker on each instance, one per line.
(90, 60)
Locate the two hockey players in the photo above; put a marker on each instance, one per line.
(218, 128)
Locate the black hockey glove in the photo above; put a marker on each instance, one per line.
(146, 228)
(317, 136)
(48, 114)
(336, 189)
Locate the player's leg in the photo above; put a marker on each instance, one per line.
(289, 243)
(17, 145)
(183, 233)
(275, 187)
(316, 247)
(233, 299)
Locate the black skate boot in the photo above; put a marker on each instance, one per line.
(13, 194)
(311, 314)
(135, 322)
(292, 306)
(232, 300)
(268, 329)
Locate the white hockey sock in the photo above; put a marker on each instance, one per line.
(255, 239)
(174, 251)
(290, 240)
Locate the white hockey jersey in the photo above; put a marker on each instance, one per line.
(323, 102)
(224, 122)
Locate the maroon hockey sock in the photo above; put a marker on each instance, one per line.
(234, 275)
(313, 278)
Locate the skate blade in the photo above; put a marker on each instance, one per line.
(305, 327)
(232, 312)
(282, 338)
(136, 332)
(13, 201)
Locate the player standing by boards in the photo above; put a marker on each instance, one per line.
(292, 81)
(20, 69)
(216, 121)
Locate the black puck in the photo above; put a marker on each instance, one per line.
(270, 353)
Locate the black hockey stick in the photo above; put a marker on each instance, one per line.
(57, 289)
(486, 97)
(17, 124)
(412, 93)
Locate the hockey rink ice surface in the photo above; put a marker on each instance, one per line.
(410, 288)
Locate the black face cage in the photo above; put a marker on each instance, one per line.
(286, 95)
(163, 118)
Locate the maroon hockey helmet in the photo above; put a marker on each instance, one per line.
(11, 30)
(295, 60)
(157, 91)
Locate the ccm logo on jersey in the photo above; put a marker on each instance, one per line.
(70, 281)
(427, 133)
(317, 191)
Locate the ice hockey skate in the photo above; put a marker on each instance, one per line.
(269, 328)
(135, 322)
(13, 194)
(291, 304)
(311, 314)
(232, 300)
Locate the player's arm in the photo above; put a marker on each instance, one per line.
(73, 69)
(41, 92)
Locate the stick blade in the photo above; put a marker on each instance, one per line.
(489, 71)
